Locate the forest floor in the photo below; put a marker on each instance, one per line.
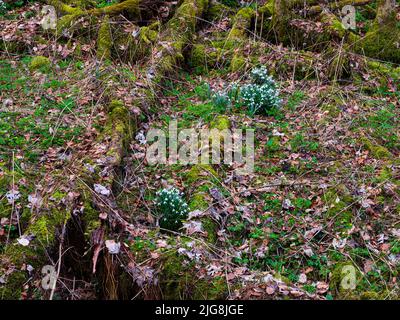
(324, 193)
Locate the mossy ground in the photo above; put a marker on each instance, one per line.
(317, 167)
(45, 119)
(324, 193)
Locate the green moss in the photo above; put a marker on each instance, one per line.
(199, 171)
(66, 22)
(241, 24)
(18, 256)
(338, 200)
(238, 63)
(174, 279)
(385, 174)
(128, 6)
(179, 282)
(370, 295)
(90, 218)
(381, 72)
(216, 11)
(60, 6)
(148, 35)
(198, 57)
(178, 33)
(282, 278)
(211, 228)
(245, 13)
(104, 41)
(221, 123)
(39, 62)
(58, 195)
(13, 288)
(381, 41)
(211, 290)
(203, 57)
(45, 227)
(119, 124)
(198, 202)
(337, 279)
(377, 151)
(273, 145)
(340, 285)
(267, 9)
(40, 230)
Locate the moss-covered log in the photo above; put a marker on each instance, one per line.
(81, 7)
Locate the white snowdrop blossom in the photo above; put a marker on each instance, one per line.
(172, 207)
(261, 95)
(3, 6)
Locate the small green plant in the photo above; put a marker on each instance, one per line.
(383, 125)
(302, 204)
(105, 3)
(203, 91)
(221, 101)
(261, 95)
(257, 233)
(395, 247)
(204, 111)
(273, 144)
(272, 202)
(309, 288)
(230, 3)
(295, 99)
(299, 143)
(172, 207)
(3, 7)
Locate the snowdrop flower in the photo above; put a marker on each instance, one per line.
(262, 94)
(172, 207)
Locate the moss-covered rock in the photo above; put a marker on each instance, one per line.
(178, 281)
(346, 284)
(217, 11)
(344, 279)
(221, 123)
(39, 63)
(203, 57)
(241, 24)
(63, 8)
(377, 151)
(200, 171)
(382, 38)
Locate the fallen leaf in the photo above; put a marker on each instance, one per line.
(113, 247)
